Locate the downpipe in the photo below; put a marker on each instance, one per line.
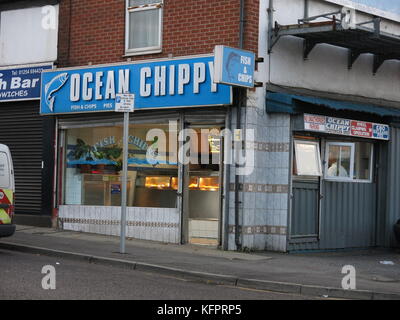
(241, 102)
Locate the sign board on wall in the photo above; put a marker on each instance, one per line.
(168, 83)
(234, 66)
(346, 127)
(22, 83)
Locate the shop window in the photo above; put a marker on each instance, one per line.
(94, 163)
(349, 161)
(307, 159)
(363, 161)
(143, 26)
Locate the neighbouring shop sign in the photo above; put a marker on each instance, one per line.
(22, 83)
(169, 83)
(346, 127)
(234, 66)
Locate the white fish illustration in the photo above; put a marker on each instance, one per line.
(152, 154)
(52, 87)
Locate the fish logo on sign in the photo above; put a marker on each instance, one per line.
(52, 87)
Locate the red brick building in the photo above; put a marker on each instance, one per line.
(94, 31)
(169, 203)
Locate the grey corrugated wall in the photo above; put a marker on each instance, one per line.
(392, 188)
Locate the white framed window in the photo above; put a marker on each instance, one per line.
(307, 158)
(143, 26)
(349, 162)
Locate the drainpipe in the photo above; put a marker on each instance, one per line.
(241, 102)
(241, 27)
(306, 2)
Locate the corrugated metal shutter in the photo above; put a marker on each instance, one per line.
(21, 129)
(392, 188)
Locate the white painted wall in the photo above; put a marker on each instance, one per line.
(326, 69)
(24, 40)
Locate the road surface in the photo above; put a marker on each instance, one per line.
(21, 278)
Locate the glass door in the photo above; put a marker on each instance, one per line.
(203, 185)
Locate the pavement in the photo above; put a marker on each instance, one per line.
(308, 274)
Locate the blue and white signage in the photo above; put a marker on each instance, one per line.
(21, 83)
(234, 66)
(163, 84)
(380, 131)
(346, 127)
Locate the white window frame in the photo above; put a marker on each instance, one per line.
(157, 5)
(314, 143)
(352, 163)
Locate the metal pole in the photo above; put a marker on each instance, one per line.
(124, 182)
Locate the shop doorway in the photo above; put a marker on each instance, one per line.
(333, 199)
(306, 186)
(202, 186)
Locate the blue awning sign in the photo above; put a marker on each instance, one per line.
(168, 83)
(289, 103)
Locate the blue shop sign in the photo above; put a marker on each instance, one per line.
(380, 131)
(21, 83)
(234, 66)
(169, 83)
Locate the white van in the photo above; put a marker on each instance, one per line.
(7, 190)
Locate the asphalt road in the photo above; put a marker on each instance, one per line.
(21, 278)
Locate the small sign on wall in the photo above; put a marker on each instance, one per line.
(346, 127)
(234, 66)
(124, 102)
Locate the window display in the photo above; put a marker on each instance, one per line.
(94, 163)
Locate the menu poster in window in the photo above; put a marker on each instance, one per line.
(346, 127)
(115, 189)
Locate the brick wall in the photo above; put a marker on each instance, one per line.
(94, 30)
